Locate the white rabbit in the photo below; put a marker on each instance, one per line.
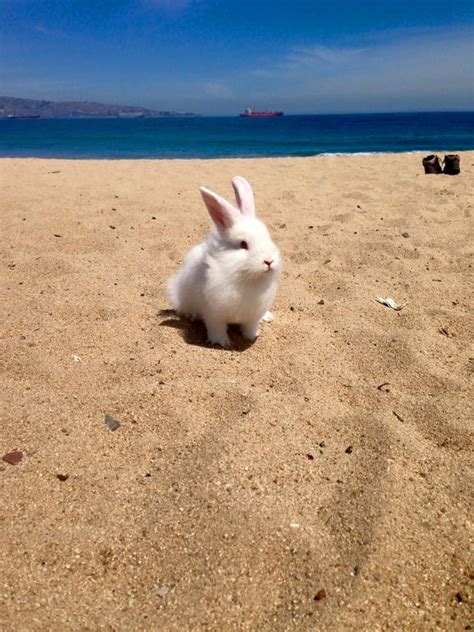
(231, 278)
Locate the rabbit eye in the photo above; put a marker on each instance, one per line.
(244, 245)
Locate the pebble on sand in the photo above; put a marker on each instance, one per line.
(13, 457)
(111, 422)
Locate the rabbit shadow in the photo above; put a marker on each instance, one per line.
(194, 332)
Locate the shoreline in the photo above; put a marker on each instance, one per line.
(226, 158)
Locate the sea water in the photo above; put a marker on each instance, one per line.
(226, 137)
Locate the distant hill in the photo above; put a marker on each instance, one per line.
(10, 107)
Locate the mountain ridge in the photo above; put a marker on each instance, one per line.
(14, 107)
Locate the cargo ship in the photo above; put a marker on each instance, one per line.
(249, 113)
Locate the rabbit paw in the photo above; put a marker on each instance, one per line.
(217, 335)
(250, 331)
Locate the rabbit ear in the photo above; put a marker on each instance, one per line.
(223, 214)
(244, 194)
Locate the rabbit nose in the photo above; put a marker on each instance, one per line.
(268, 262)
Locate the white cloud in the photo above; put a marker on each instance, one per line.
(425, 69)
(217, 90)
(44, 30)
(321, 55)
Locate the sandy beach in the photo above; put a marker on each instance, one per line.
(319, 479)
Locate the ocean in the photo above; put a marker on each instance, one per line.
(226, 137)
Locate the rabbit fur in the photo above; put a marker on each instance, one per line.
(230, 278)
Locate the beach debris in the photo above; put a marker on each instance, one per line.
(321, 594)
(380, 387)
(164, 590)
(54, 172)
(405, 234)
(112, 423)
(76, 358)
(268, 317)
(390, 302)
(112, 226)
(57, 235)
(431, 164)
(444, 331)
(348, 450)
(398, 416)
(451, 164)
(62, 477)
(294, 525)
(13, 457)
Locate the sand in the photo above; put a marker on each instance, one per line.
(275, 486)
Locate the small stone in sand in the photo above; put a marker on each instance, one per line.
(321, 594)
(321, 302)
(62, 477)
(405, 234)
(13, 457)
(164, 590)
(111, 422)
(348, 450)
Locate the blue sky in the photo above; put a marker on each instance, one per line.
(220, 56)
